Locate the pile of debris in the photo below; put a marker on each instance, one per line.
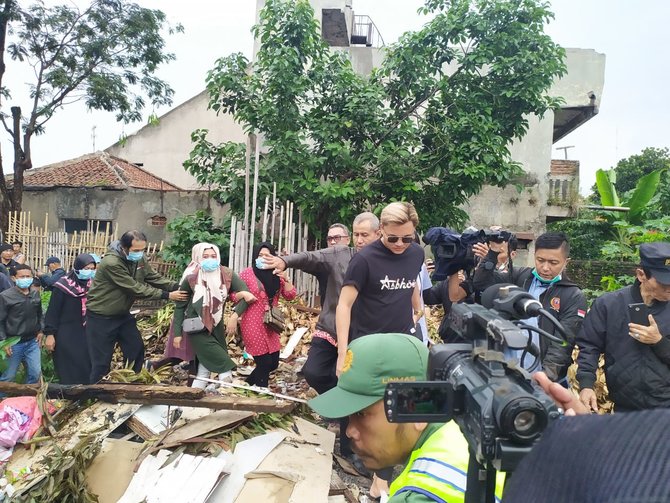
(147, 437)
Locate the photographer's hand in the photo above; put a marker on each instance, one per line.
(564, 398)
(480, 250)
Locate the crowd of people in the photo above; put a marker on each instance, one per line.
(370, 331)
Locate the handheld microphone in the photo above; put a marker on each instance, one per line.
(511, 300)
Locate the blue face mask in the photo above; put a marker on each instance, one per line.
(209, 264)
(260, 263)
(85, 274)
(24, 282)
(135, 256)
(555, 279)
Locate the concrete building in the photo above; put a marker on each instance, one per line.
(99, 189)
(545, 196)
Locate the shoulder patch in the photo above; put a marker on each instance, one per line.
(348, 360)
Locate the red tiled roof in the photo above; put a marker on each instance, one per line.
(95, 170)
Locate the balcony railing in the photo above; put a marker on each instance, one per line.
(366, 33)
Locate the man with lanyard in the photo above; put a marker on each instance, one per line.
(547, 283)
(637, 351)
(435, 455)
(319, 369)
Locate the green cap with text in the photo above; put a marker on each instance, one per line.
(371, 363)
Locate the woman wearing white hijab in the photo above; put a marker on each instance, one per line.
(209, 284)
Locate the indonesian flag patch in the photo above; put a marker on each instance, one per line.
(581, 313)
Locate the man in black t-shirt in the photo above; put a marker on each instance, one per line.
(380, 293)
(379, 290)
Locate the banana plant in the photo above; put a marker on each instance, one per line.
(636, 202)
(9, 341)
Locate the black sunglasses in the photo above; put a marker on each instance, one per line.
(405, 239)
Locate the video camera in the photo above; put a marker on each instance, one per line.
(453, 251)
(500, 412)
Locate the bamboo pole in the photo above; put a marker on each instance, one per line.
(231, 244)
(274, 211)
(252, 227)
(247, 172)
(264, 234)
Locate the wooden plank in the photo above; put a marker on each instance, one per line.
(151, 395)
(198, 427)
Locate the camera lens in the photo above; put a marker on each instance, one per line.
(525, 422)
(520, 418)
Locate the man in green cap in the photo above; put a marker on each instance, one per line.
(435, 455)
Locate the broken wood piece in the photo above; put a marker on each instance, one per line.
(255, 389)
(151, 395)
(99, 419)
(198, 427)
(292, 342)
(150, 420)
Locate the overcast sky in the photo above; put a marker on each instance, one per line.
(634, 35)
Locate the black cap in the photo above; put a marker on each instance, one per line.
(5, 246)
(52, 260)
(656, 258)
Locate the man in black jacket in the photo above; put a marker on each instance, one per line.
(548, 284)
(637, 356)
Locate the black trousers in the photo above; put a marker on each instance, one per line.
(319, 369)
(319, 372)
(264, 365)
(103, 332)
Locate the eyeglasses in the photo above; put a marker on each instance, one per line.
(335, 239)
(404, 239)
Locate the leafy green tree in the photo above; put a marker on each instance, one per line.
(105, 55)
(431, 125)
(189, 230)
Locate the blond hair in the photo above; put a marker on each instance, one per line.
(399, 213)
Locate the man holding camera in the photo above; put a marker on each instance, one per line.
(548, 284)
(632, 328)
(436, 455)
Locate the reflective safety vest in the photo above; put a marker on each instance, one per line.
(438, 469)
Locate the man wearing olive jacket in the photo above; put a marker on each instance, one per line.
(123, 275)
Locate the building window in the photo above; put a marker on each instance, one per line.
(82, 225)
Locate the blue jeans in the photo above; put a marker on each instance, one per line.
(28, 352)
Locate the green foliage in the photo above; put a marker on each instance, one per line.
(605, 181)
(105, 54)
(628, 237)
(631, 169)
(609, 283)
(431, 125)
(45, 298)
(588, 231)
(8, 342)
(189, 230)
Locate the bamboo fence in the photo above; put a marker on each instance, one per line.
(40, 244)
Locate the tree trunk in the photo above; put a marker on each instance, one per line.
(17, 187)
